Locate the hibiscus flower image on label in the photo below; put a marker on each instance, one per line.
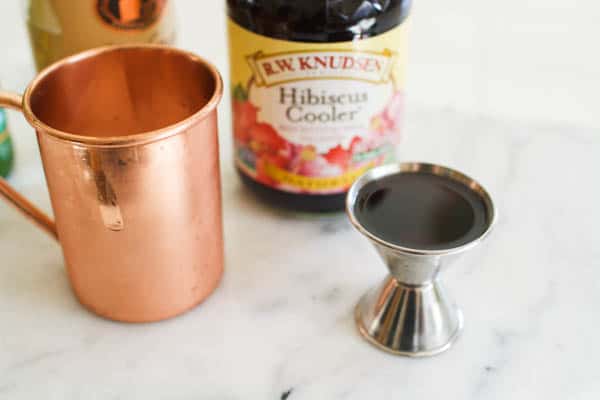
(317, 95)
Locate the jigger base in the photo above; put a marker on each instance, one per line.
(411, 321)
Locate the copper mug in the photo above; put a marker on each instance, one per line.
(128, 141)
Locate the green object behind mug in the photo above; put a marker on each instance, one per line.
(6, 149)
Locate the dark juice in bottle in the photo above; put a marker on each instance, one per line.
(317, 92)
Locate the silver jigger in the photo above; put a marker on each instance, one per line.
(410, 313)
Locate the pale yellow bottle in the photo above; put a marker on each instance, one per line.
(59, 28)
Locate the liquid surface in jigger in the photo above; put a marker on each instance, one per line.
(420, 210)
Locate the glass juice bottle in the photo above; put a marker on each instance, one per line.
(317, 92)
(59, 28)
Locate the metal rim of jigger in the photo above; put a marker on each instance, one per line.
(386, 170)
(435, 169)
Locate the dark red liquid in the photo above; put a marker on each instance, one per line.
(422, 211)
(318, 20)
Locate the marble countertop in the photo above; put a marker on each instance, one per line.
(512, 104)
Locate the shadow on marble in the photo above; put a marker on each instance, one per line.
(34, 285)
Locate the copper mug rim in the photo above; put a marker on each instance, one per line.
(122, 140)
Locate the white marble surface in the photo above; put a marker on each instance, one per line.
(506, 92)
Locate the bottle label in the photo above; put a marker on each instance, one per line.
(3, 130)
(130, 14)
(312, 117)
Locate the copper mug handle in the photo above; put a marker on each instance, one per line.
(34, 214)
